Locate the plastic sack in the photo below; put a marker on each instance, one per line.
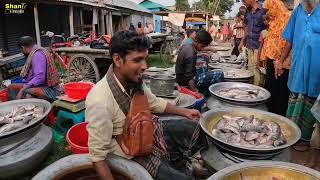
(315, 110)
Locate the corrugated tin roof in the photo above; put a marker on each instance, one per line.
(152, 5)
(85, 2)
(127, 4)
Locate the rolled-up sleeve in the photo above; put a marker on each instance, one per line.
(100, 126)
(157, 105)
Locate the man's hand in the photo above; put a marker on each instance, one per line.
(20, 94)
(192, 86)
(258, 65)
(278, 65)
(192, 114)
(103, 170)
(188, 113)
(241, 45)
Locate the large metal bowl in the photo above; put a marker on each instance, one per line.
(290, 130)
(215, 88)
(224, 65)
(7, 106)
(162, 85)
(265, 170)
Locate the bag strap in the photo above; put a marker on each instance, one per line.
(121, 98)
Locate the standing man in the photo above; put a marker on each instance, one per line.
(254, 25)
(302, 35)
(191, 35)
(108, 110)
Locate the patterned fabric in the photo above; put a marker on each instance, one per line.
(239, 30)
(204, 78)
(46, 93)
(299, 111)
(52, 75)
(262, 40)
(278, 16)
(122, 99)
(184, 138)
(152, 161)
(252, 66)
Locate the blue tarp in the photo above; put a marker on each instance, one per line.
(196, 23)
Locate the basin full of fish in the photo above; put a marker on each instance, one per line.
(19, 116)
(242, 93)
(249, 132)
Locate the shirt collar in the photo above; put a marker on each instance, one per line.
(260, 6)
(120, 85)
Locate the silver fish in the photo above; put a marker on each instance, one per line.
(235, 138)
(12, 126)
(6, 120)
(224, 136)
(29, 107)
(252, 135)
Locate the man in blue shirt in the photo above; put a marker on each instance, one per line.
(302, 34)
(254, 25)
(191, 35)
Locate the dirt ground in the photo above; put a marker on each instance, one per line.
(309, 158)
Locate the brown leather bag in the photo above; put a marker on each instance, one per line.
(137, 136)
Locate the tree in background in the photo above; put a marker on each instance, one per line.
(182, 5)
(211, 6)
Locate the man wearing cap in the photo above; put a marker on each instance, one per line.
(40, 76)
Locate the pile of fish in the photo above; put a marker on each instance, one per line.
(19, 116)
(249, 132)
(231, 74)
(242, 93)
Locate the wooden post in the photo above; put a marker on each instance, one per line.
(110, 25)
(94, 19)
(36, 23)
(81, 16)
(101, 23)
(121, 23)
(71, 21)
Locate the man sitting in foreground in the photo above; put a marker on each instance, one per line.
(109, 107)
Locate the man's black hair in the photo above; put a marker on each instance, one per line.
(26, 41)
(125, 41)
(203, 37)
(190, 31)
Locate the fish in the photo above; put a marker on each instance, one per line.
(252, 135)
(235, 138)
(5, 120)
(29, 107)
(19, 116)
(249, 132)
(241, 93)
(12, 126)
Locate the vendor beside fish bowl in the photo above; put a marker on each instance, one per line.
(40, 76)
(195, 74)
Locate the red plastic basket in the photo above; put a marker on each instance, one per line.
(77, 90)
(3, 95)
(77, 137)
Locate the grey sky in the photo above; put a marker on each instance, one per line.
(234, 11)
